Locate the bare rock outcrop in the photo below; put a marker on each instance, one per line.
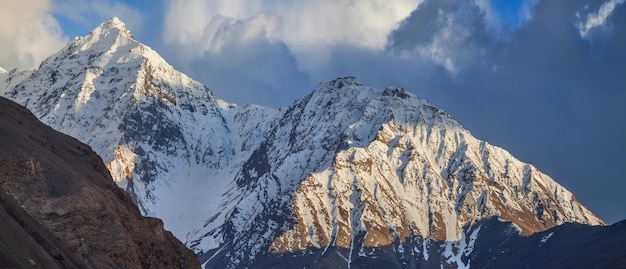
(61, 209)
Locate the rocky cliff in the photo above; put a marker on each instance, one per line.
(61, 208)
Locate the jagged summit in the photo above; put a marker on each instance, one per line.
(343, 81)
(108, 38)
(113, 22)
(93, 80)
(113, 25)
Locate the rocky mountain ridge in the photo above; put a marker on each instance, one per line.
(61, 209)
(360, 169)
(347, 170)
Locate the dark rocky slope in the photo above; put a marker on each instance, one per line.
(498, 245)
(568, 245)
(59, 207)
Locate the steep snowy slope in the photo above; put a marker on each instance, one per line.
(165, 138)
(357, 169)
(8, 79)
(345, 175)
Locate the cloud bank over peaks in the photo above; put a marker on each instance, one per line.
(359, 23)
(219, 32)
(308, 28)
(274, 48)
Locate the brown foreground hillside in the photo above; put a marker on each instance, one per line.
(59, 207)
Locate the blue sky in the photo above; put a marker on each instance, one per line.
(511, 12)
(540, 78)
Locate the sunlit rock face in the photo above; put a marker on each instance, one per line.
(360, 169)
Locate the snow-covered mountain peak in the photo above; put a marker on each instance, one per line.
(344, 81)
(87, 87)
(368, 107)
(113, 25)
(160, 133)
(108, 38)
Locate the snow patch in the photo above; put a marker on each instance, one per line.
(456, 252)
(545, 238)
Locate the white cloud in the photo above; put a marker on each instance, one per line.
(28, 33)
(597, 20)
(221, 31)
(448, 34)
(444, 48)
(309, 28)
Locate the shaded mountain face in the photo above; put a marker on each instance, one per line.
(61, 209)
(565, 246)
(347, 173)
(489, 243)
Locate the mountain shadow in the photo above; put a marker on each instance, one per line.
(491, 243)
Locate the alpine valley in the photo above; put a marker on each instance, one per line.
(348, 176)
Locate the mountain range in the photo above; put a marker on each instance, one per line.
(348, 176)
(59, 207)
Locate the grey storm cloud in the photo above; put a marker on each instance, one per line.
(452, 34)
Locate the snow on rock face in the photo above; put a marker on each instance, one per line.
(346, 166)
(85, 87)
(9, 79)
(355, 165)
(423, 173)
(164, 137)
